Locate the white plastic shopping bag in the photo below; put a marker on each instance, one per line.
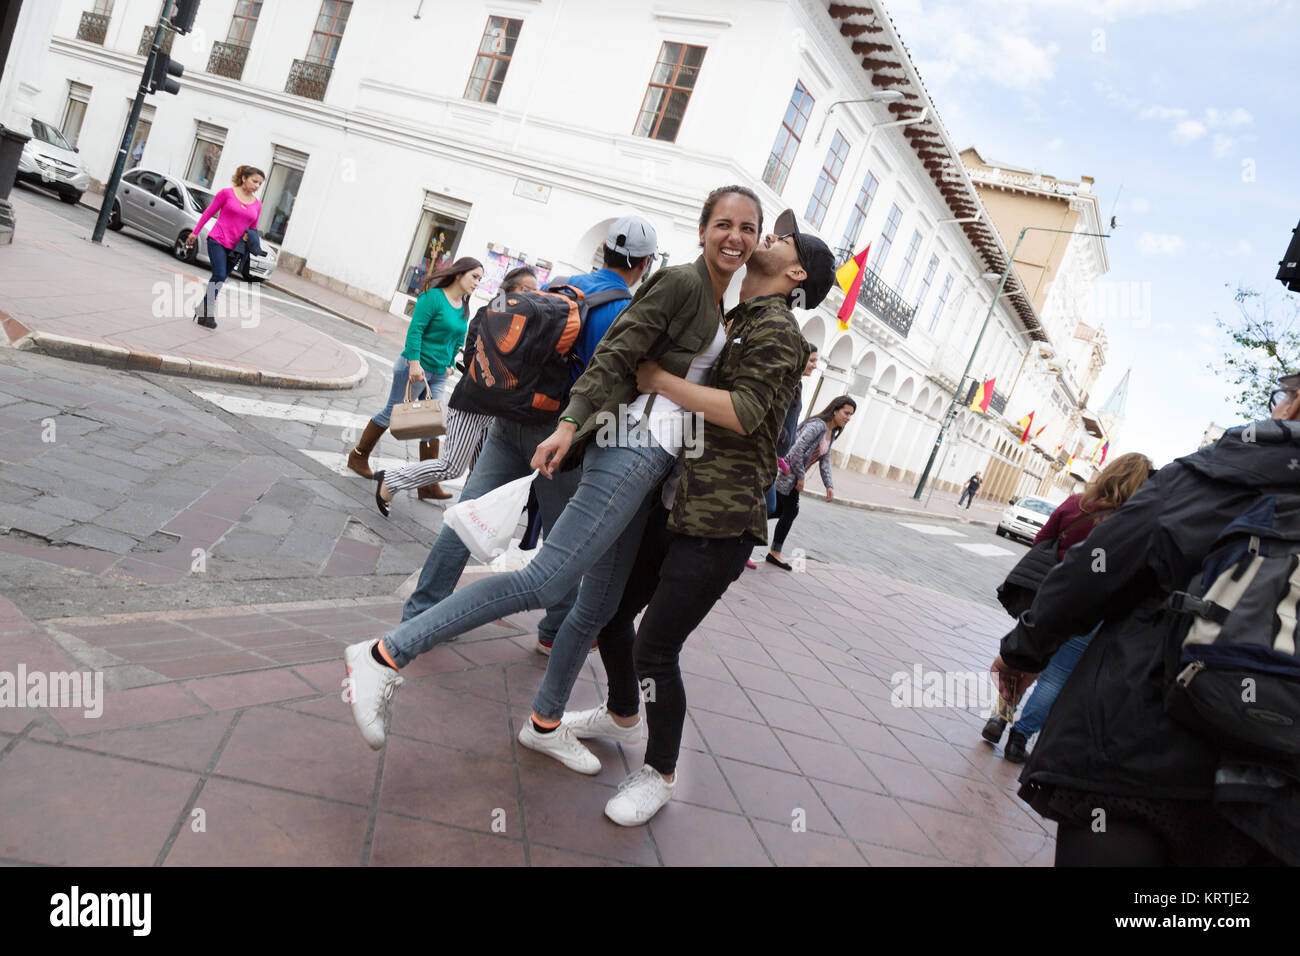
(487, 524)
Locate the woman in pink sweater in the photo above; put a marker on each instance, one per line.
(236, 210)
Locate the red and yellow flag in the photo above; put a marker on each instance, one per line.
(849, 277)
(1027, 423)
(983, 395)
(1039, 434)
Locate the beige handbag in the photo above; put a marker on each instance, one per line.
(418, 419)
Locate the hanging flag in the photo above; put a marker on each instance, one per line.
(983, 395)
(1027, 422)
(1057, 451)
(1096, 453)
(849, 277)
(1039, 434)
(1069, 465)
(1104, 449)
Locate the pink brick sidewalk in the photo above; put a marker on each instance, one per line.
(64, 295)
(794, 753)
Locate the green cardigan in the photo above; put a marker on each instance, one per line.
(436, 332)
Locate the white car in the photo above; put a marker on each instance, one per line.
(1024, 517)
(51, 161)
(166, 209)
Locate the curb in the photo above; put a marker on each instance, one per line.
(115, 356)
(270, 281)
(891, 509)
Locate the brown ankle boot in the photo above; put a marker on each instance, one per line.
(359, 457)
(429, 451)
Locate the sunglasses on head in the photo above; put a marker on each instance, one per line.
(1280, 396)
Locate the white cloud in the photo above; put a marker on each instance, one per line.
(1222, 145)
(1188, 131)
(1237, 117)
(1160, 244)
(1163, 112)
(1139, 204)
(1116, 95)
(1056, 143)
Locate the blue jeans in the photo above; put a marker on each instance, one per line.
(1045, 690)
(505, 456)
(436, 385)
(594, 543)
(218, 258)
(769, 497)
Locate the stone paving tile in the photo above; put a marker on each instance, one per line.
(790, 848)
(403, 842)
(780, 797)
(187, 743)
(66, 808)
(742, 740)
(832, 762)
(136, 707)
(248, 825)
(568, 811)
(960, 838)
(446, 786)
(244, 690)
(549, 856)
(695, 836)
(877, 819)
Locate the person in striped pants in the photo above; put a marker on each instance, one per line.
(466, 429)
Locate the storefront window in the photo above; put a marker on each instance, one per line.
(436, 242)
(281, 193)
(203, 162)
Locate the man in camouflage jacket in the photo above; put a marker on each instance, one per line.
(713, 511)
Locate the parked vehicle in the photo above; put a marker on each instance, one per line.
(166, 209)
(1024, 517)
(51, 161)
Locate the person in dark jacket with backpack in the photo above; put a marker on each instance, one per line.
(1071, 523)
(1127, 783)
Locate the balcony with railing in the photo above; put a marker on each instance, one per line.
(998, 403)
(146, 41)
(228, 59)
(886, 304)
(93, 27)
(308, 79)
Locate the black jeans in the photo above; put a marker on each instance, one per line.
(680, 578)
(787, 509)
(968, 496)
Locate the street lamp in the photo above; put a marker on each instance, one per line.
(884, 96)
(956, 397)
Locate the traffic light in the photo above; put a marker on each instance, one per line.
(183, 18)
(1288, 272)
(164, 68)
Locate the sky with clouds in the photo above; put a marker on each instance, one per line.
(1185, 113)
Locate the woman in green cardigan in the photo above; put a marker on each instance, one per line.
(436, 332)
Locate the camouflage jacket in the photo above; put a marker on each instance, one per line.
(724, 474)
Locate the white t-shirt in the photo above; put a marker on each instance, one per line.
(668, 420)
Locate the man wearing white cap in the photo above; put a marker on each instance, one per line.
(629, 248)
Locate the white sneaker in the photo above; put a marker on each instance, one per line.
(598, 722)
(560, 744)
(371, 692)
(640, 797)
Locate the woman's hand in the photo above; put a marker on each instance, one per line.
(647, 377)
(830, 494)
(191, 239)
(551, 452)
(798, 485)
(416, 372)
(1012, 683)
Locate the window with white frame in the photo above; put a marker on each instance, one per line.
(886, 240)
(788, 137)
(905, 270)
(832, 166)
(926, 280)
(943, 299)
(283, 181)
(861, 206)
(74, 112)
(206, 155)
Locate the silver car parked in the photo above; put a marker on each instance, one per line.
(167, 209)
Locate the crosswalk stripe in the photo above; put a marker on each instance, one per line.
(259, 408)
(984, 550)
(936, 529)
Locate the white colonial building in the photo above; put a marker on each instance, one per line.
(399, 132)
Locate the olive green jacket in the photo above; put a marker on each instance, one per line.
(723, 479)
(672, 318)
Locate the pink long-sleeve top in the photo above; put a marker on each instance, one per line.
(234, 217)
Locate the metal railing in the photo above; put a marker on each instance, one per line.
(886, 304)
(308, 79)
(228, 59)
(146, 41)
(93, 27)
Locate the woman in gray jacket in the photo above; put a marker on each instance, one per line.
(813, 445)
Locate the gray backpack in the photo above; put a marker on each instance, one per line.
(1233, 663)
